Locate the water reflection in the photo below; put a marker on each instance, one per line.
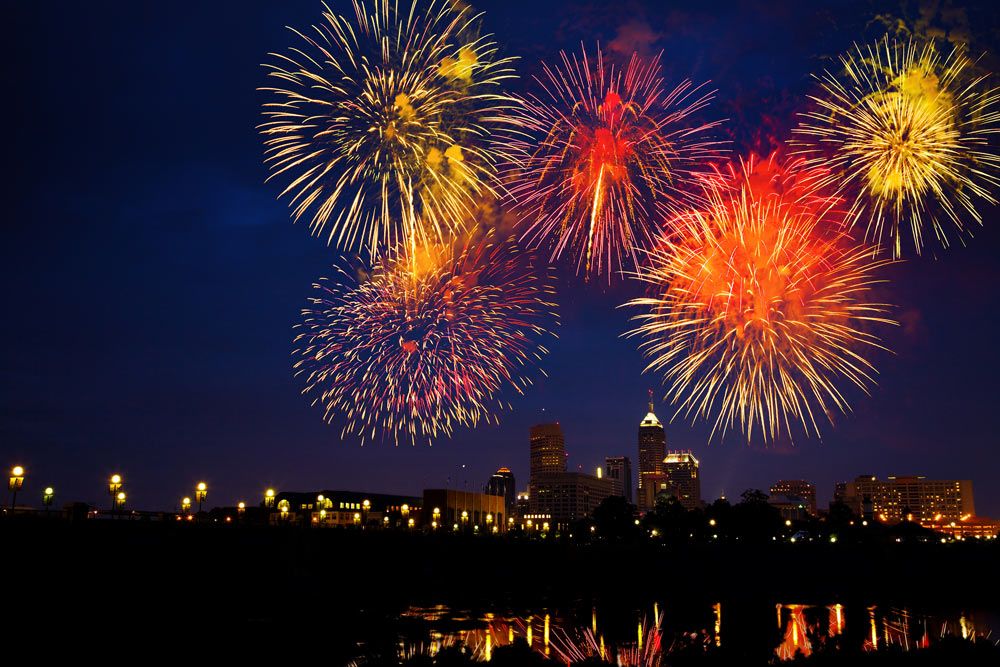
(638, 638)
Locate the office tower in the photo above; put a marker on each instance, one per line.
(502, 484)
(683, 478)
(652, 450)
(548, 449)
(918, 498)
(564, 497)
(794, 491)
(618, 469)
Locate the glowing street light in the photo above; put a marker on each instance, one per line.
(114, 488)
(269, 498)
(47, 497)
(437, 517)
(366, 506)
(200, 494)
(241, 508)
(120, 500)
(185, 505)
(15, 484)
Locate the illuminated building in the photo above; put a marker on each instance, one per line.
(566, 496)
(683, 478)
(618, 469)
(976, 527)
(794, 492)
(502, 484)
(523, 504)
(927, 500)
(338, 508)
(652, 450)
(469, 510)
(548, 449)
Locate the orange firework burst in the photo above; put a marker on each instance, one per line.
(906, 133)
(427, 341)
(759, 308)
(380, 121)
(603, 156)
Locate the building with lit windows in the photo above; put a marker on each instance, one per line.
(971, 527)
(652, 450)
(451, 509)
(548, 449)
(683, 478)
(618, 470)
(346, 508)
(795, 492)
(566, 497)
(502, 484)
(923, 500)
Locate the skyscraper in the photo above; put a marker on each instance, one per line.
(926, 500)
(548, 449)
(619, 471)
(502, 484)
(683, 478)
(652, 450)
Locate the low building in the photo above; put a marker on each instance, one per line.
(976, 527)
(451, 509)
(346, 508)
(796, 491)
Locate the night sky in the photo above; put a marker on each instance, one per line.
(151, 279)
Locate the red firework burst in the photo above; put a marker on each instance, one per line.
(604, 155)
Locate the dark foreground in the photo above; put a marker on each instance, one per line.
(260, 590)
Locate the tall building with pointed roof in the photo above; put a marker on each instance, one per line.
(652, 450)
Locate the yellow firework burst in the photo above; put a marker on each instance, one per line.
(906, 134)
(759, 308)
(381, 120)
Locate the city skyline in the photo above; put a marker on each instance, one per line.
(151, 298)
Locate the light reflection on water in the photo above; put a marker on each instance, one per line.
(802, 630)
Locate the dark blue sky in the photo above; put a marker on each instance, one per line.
(150, 279)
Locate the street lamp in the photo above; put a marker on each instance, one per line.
(269, 498)
(200, 493)
(120, 499)
(365, 506)
(185, 505)
(241, 509)
(405, 511)
(465, 518)
(114, 486)
(283, 508)
(15, 484)
(437, 517)
(47, 497)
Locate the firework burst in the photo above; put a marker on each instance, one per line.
(759, 308)
(378, 122)
(425, 342)
(602, 155)
(906, 132)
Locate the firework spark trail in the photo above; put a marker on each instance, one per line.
(380, 123)
(759, 307)
(426, 343)
(906, 133)
(602, 156)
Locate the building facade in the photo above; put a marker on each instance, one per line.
(565, 497)
(652, 451)
(451, 509)
(346, 508)
(502, 484)
(795, 491)
(548, 449)
(683, 478)
(917, 498)
(618, 470)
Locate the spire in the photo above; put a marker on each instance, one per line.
(650, 418)
(651, 399)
